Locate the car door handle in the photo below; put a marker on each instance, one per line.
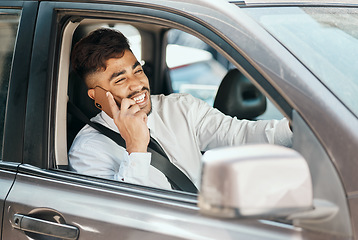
(39, 226)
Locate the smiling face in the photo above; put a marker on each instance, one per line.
(124, 78)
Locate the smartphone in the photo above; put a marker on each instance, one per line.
(101, 100)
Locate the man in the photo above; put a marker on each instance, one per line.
(183, 125)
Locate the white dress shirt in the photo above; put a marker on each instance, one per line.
(184, 126)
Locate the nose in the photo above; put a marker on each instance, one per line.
(135, 84)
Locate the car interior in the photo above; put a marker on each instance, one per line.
(235, 94)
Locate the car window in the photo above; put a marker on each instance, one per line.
(198, 69)
(9, 21)
(194, 66)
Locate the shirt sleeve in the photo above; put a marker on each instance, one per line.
(96, 155)
(135, 168)
(215, 129)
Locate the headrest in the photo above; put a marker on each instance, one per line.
(78, 96)
(237, 96)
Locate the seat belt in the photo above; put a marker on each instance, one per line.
(160, 160)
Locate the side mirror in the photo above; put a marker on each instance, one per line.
(255, 181)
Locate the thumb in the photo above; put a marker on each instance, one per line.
(112, 104)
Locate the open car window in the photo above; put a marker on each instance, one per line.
(192, 66)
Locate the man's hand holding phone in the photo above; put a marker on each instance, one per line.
(131, 122)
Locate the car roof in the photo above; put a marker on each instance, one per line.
(239, 2)
(295, 2)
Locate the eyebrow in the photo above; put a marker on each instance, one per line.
(116, 74)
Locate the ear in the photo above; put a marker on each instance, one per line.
(91, 93)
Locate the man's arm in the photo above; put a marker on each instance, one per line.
(214, 129)
(94, 154)
(131, 122)
(97, 155)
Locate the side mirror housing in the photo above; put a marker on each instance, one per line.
(255, 181)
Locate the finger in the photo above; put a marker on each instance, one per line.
(145, 118)
(142, 115)
(129, 106)
(112, 104)
(133, 109)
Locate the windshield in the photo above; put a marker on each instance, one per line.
(325, 39)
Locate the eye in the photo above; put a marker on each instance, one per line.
(140, 70)
(120, 80)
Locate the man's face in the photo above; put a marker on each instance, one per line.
(124, 78)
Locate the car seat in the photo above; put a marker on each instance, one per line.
(238, 97)
(77, 94)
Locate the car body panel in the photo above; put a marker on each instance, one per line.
(151, 218)
(6, 181)
(296, 2)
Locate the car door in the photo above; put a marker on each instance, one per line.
(16, 17)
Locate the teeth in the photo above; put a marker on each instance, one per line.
(140, 98)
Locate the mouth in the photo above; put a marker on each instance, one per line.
(141, 99)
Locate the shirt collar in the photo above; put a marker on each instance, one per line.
(109, 121)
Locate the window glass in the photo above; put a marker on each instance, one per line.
(325, 39)
(9, 21)
(198, 69)
(194, 66)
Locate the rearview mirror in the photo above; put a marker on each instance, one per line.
(254, 181)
